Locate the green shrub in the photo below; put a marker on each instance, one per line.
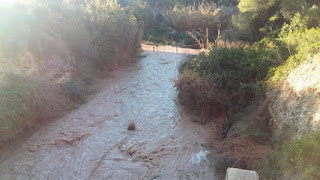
(300, 42)
(182, 17)
(199, 94)
(112, 31)
(237, 73)
(253, 121)
(271, 168)
(297, 159)
(309, 44)
(75, 90)
(201, 16)
(22, 103)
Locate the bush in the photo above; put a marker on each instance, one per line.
(297, 159)
(256, 118)
(202, 16)
(237, 73)
(75, 90)
(199, 94)
(112, 31)
(181, 38)
(182, 17)
(300, 43)
(25, 102)
(45, 43)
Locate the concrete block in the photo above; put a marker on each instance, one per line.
(241, 174)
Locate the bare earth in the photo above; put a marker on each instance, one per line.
(93, 142)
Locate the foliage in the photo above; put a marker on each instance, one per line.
(25, 102)
(49, 49)
(300, 42)
(237, 72)
(19, 101)
(192, 2)
(201, 17)
(283, 34)
(110, 36)
(199, 94)
(260, 18)
(297, 159)
(75, 90)
(166, 21)
(255, 15)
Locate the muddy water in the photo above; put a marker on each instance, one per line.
(93, 142)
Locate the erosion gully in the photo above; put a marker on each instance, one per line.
(93, 142)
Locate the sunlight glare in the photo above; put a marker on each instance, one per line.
(8, 2)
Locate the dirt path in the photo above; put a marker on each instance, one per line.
(93, 142)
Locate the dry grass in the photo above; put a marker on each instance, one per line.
(132, 126)
(240, 152)
(243, 148)
(248, 140)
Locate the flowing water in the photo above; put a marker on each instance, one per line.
(93, 142)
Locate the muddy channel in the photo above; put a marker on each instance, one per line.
(93, 142)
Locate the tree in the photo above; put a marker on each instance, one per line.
(254, 15)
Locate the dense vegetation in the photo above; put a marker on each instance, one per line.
(167, 21)
(279, 36)
(51, 51)
(300, 155)
(236, 73)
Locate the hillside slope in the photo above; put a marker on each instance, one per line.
(295, 107)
